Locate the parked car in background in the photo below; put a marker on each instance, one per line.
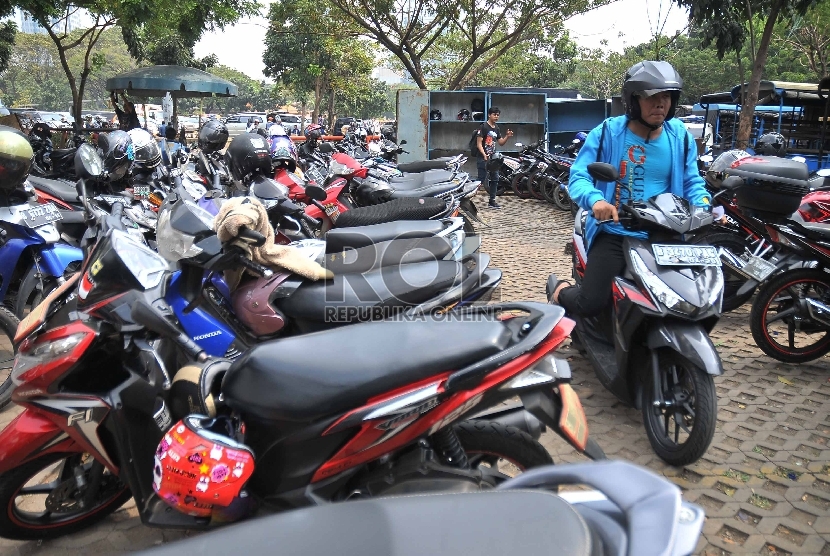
(238, 123)
(292, 123)
(340, 122)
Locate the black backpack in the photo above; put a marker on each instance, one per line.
(473, 145)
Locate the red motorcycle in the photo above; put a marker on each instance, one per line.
(97, 358)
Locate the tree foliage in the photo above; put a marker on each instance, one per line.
(479, 32)
(809, 36)
(253, 95)
(310, 49)
(150, 19)
(730, 26)
(35, 77)
(8, 31)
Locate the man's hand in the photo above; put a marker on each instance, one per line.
(510, 133)
(604, 210)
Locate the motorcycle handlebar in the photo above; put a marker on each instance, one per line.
(256, 268)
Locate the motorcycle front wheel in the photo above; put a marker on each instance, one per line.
(41, 499)
(781, 321)
(8, 328)
(681, 426)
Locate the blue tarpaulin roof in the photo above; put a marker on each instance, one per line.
(179, 81)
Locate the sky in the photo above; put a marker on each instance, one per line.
(241, 46)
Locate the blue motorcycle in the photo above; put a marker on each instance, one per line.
(32, 260)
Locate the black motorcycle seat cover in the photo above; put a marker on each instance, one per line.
(411, 181)
(530, 523)
(409, 208)
(387, 253)
(424, 165)
(395, 286)
(338, 239)
(288, 380)
(431, 190)
(56, 188)
(62, 154)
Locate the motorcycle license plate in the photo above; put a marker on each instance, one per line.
(758, 268)
(38, 315)
(572, 421)
(141, 192)
(41, 215)
(686, 255)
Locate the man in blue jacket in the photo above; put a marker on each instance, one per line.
(654, 154)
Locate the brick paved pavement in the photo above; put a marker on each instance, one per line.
(764, 483)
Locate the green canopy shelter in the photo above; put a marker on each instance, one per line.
(179, 81)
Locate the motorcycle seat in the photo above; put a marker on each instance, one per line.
(409, 208)
(387, 253)
(488, 522)
(288, 380)
(338, 239)
(56, 188)
(431, 190)
(389, 289)
(424, 165)
(414, 181)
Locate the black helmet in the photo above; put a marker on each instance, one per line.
(495, 162)
(117, 151)
(646, 79)
(463, 115)
(771, 144)
(434, 114)
(248, 154)
(145, 149)
(15, 158)
(213, 137)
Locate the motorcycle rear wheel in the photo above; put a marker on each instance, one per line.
(534, 184)
(8, 328)
(506, 449)
(19, 498)
(519, 186)
(779, 311)
(692, 391)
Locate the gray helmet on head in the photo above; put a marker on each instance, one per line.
(649, 78)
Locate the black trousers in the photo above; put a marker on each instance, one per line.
(484, 176)
(605, 262)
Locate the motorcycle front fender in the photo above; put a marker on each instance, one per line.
(470, 209)
(690, 341)
(31, 435)
(57, 257)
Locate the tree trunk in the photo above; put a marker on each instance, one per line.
(748, 109)
(302, 116)
(331, 113)
(318, 98)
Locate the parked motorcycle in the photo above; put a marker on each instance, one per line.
(651, 346)
(386, 416)
(629, 510)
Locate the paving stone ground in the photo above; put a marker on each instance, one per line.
(764, 483)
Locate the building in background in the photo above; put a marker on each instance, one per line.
(78, 19)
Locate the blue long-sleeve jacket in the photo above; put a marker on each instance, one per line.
(685, 178)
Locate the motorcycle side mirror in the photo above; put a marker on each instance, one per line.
(403, 142)
(315, 193)
(88, 163)
(732, 182)
(325, 148)
(602, 171)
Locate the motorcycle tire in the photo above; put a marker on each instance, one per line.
(486, 442)
(519, 186)
(534, 185)
(770, 294)
(8, 328)
(14, 524)
(559, 194)
(732, 281)
(704, 405)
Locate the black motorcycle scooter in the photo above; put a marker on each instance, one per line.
(651, 346)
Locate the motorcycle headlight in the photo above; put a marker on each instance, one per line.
(658, 288)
